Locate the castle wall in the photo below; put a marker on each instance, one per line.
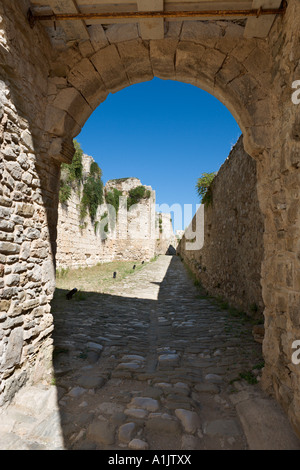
(134, 236)
(223, 246)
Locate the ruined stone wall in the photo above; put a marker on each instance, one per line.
(78, 244)
(229, 262)
(83, 244)
(27, 203)
(278, 172)
(166, 237)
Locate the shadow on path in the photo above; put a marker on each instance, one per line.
(175, 349)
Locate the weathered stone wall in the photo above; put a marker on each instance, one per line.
(166, 237)
(27, 203)
(48, 91)
(229, 262)
(134, 237)
(83, 244)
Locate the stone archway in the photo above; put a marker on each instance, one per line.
(48, 96)
(206, 57)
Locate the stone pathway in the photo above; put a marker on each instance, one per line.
(149, 365)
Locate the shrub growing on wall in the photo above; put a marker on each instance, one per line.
(74, 170)
(113, 198)
(136, 194)
(104, 216)
(92, 194)
(70, 174)
(64, 192)
(203, 187)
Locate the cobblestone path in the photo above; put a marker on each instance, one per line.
(149, 365)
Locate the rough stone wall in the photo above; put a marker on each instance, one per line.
(135, 230)
(229, 262)
(50, 93)
(133, 237)
(27, 204)
(166, 237)
(77, 243)
(278, 173)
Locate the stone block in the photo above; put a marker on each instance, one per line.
(5, 202)
(98, 36)
(222, 427)
(6, 225)
(71, 101)
(138, 413)
(189, 420)
(162, 423)
(188, 59)
(136, 60)
(87, 80)
(27, 140)
(25, 210)
(162, 53)
(14, 349)
(8, 248)
(122, 32)
(15, 170)
(145, 403)
(201, 32)
(59, 123)
(109, 65)
(86, 48)
(32, 233)
(126, 432)
(25, 250)
(12, 280)
(101, 431)
(267, 416)
(138, 444)
(231, 69)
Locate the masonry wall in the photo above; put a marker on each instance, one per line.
(138, 235)
(85, 243)
(231, 231)
(27, 204)
(278, 173)
(166, 242)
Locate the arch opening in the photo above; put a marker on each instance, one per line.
(149, 295)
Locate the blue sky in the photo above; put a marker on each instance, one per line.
(163, 132)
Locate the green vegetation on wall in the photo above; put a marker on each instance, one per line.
(74, 170)
(120, 180)
(113, 198)
(70, 174)
(136, 194)
(64, 192)
(204, 188)
(92, 194)
(104, 216)
(160, 224)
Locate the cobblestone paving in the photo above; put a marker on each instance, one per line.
(149, 365)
